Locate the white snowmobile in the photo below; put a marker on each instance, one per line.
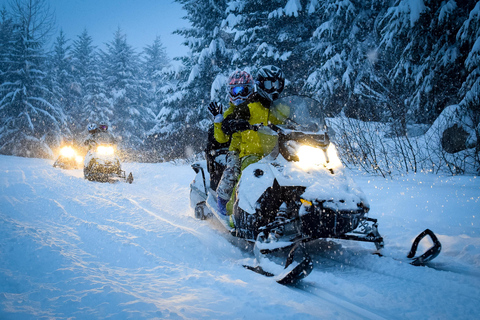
(297, 193)
(102, 164)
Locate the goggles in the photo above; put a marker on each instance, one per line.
(103, 127)
(270, 86)
(243, 91)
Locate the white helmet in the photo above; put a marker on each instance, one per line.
(92, 127)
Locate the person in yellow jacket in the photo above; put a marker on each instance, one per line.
(236, 125)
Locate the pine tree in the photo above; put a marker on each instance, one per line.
(30, 123)
(422, 35)
(154, 67)
(345, 69)
(90, 103)
(132, 115)
(469, 42)
(60, 77)
(6, 40)
(272, 32)
(182, 123)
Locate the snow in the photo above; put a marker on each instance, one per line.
(416, 7)
(292, 8)
(74, 249)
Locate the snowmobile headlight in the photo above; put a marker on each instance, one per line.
(105, 150)
(68, 152)
(309, 157)
(332, 157)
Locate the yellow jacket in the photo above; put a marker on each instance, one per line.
(248, 142)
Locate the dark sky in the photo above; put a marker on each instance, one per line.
(140, 20)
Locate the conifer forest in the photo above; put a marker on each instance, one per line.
(399, 80)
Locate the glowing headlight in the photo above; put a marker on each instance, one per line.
(105, 150)
(68, 152)
(333, 159)
(310, 157)
(79, 159)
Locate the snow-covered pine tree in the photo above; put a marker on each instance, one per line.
(155, 67)
(127, 91)
(29, 123)
(60, 78)
(90, 104)
(422, 34)
(345, 67)
(272, 32)
(6, 40)
(154, 64)
(469, 42)
(183, 121)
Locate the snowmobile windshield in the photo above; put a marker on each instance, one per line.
(300, 122)
(299, 113)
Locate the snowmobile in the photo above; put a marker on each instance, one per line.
(102, 164)
(299, 192)
(68, 158)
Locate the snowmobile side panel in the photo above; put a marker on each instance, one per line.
(256, 178)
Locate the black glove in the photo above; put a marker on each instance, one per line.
(255, 127)
(230, 126)
(215, 108)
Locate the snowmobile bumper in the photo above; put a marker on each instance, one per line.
(66, 163)
(318, 221)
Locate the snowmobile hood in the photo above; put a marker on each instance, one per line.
(320, 184)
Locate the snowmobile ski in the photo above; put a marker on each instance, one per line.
(422, 259)
(259, 270)
(430, 254)
(294, 271)
(129, 179)
(290, 276)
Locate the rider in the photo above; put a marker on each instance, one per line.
(240, 87)
(98, 134)
(92, 132)
(103, 135)
(237, 124)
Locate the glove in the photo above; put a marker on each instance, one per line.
(234, 125)
(255, 127)
(215, 108)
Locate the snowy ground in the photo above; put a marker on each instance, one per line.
(74, 249)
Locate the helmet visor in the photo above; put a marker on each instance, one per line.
(242, 91)
(103, 127)
(270, 86)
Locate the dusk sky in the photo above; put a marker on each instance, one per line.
(140, 20)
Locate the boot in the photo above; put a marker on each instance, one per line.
(222, 206)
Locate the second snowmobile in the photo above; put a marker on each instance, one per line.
(102, 164)
(299, 192)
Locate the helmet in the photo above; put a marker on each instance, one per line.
(240, 87)
(103, 126)
(270, 82)
(92, 127)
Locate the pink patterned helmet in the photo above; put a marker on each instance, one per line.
(240, 87)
